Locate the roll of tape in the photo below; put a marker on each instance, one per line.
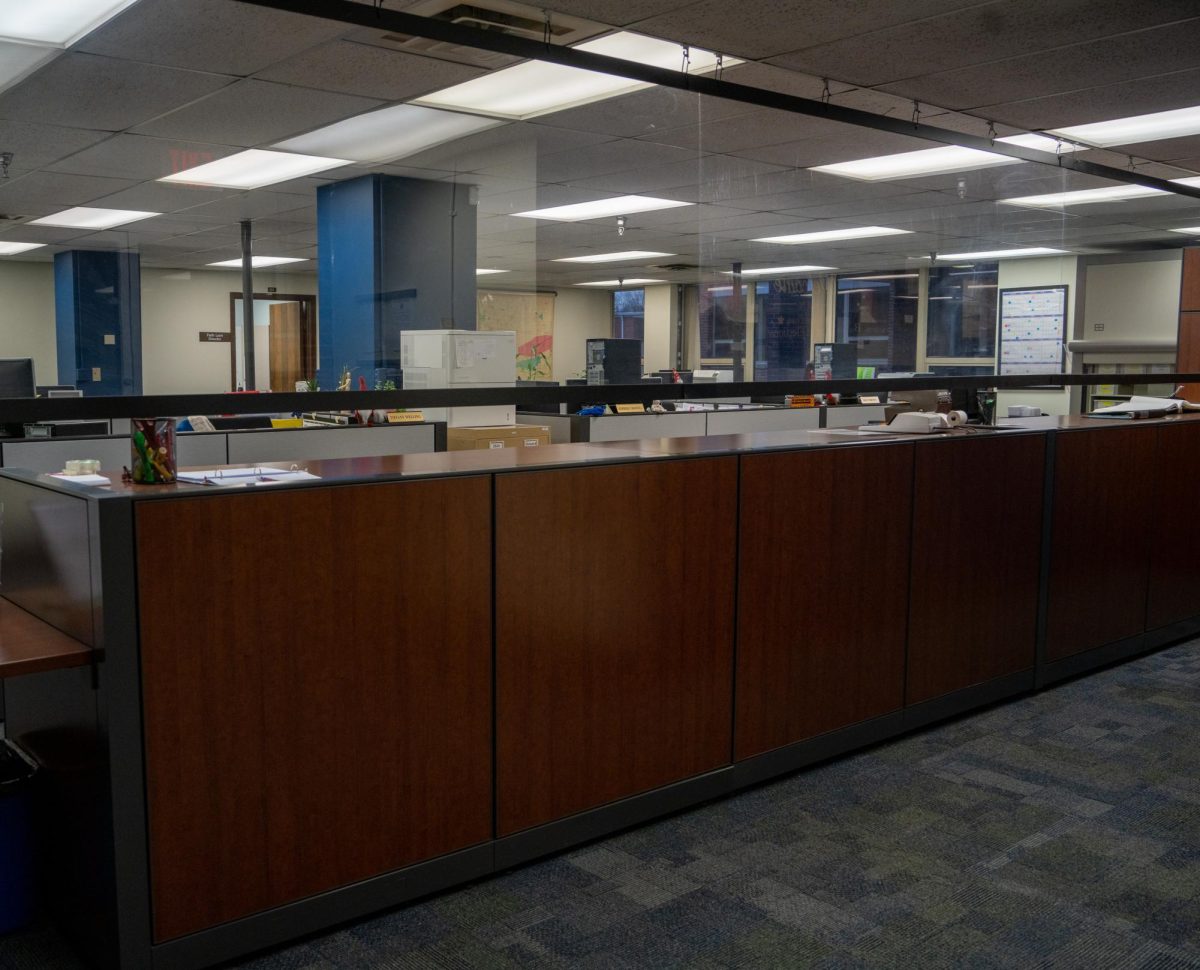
(956, 418)
(89, 466)
(73, 467)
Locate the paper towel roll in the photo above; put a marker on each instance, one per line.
(956, 418)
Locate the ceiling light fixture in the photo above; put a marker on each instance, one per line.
(1178, 123)
(833, 235)
(1004, 253)
(886, 276)
(56, 24)
(12, 248)
(88, 217)
(783, 270)
(1110, 193)
(630, 282)
(601, 209)
(489, 272)
(260, 262)
(1190, 230)
(536, 87)
(254, 168)
(612, 257)
(938, 161)
(388, 134)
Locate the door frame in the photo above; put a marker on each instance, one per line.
(308, 328)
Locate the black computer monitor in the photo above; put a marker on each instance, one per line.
(16, 377)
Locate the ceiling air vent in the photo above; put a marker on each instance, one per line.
(501, 16)
(676, 267)
(6, 218)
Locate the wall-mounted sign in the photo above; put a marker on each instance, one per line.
(215, 337)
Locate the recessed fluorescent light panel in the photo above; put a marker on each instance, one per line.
(87, 217)
(1179, 123)
(832, 235)
(613, 257)
(537, 87)
(57, 23)
(18, 61)
(388, 134)
(12, 248)
(937, 161)
(630, 282)
(260, 262)
(489, 272)
(625, 205)
(783, 270)
(1004, 253)
(1190, 230)
(253, 169)
(1112, 193)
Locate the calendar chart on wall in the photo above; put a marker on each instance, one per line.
(1033, 325)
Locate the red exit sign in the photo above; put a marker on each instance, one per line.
(183, 158)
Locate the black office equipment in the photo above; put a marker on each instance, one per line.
(16, 377)
(613, 360)
(835, 361)
(668, 376)
(58, 390)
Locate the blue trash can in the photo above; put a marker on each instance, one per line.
(16, 837)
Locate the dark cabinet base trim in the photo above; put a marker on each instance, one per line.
(1117, 651)
(522, 847)
(968, 699)
(802, 754)
(295, 920)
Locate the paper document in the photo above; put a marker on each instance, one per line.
(1137, 403)
(83, 479)
(230, 475)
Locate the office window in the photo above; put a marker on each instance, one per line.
(878, 313)
(782, 329)
(629, 314)
(962, 312)
(722, 322)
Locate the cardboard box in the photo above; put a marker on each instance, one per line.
(515, 436)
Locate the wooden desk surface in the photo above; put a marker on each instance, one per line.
(31, 646)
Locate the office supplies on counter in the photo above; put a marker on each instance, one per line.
(1144, 407)
(152, 447)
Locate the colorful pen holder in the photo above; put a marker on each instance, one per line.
(152, 445)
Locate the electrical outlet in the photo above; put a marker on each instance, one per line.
(95, 373)
(1097, 326)
(110, 340)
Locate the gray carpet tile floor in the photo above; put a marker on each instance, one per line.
(1059, 831)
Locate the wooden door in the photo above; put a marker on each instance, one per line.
(286, 345)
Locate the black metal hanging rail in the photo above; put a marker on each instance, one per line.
(20, 410)
(363, 15)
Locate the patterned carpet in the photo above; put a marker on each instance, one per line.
(1059, 831)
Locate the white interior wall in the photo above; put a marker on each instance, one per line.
(1136, 300)
(176, 306)
(1041, 271)
(578, 315)
(27, 316)
(659, 322)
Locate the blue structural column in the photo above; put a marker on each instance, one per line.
(393, 254)
(98, 316)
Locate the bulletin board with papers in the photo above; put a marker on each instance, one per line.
(1033, 328)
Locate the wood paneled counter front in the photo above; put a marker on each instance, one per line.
(303, 702)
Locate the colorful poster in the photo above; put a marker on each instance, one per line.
(531, 316)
